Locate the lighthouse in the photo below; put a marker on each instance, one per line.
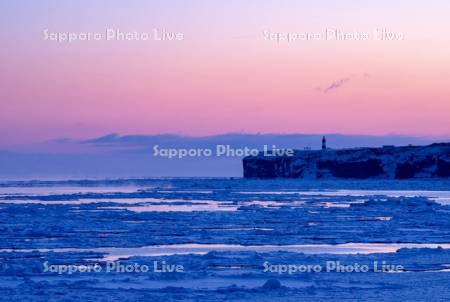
(324, 143)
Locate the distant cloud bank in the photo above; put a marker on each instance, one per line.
(116, 156)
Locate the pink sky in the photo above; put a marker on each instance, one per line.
(223, 76)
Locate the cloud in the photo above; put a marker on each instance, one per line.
(339, 83)
(336, 85)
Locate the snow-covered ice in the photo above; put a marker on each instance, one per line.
(225, 233)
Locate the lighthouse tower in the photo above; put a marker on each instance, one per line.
(324, 143)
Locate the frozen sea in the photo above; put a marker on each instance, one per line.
(225, 240)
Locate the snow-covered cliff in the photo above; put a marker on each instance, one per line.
(431, 161)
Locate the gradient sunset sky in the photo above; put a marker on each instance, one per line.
(224, 76)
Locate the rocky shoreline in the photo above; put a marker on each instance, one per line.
(388, 162)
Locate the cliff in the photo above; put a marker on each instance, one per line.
(431, 161)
